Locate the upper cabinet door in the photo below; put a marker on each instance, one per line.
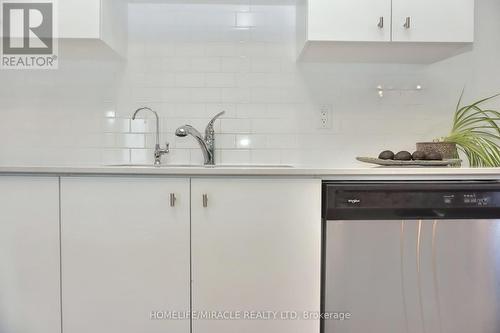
(79, 19)
(349, 20)
(433, 21)
(94, 20)
(125, 254)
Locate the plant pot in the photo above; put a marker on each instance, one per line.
(447, 149)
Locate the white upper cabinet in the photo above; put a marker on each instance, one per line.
(402, 31)
(350, 20)
(79, 18)
(431, 21)
(103, 21)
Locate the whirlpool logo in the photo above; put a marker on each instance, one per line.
(29, 38)
(354, 201)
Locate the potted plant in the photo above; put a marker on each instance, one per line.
(475, 133)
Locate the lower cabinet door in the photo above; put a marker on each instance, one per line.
(125, 254)
(255, 255)
(29, 255)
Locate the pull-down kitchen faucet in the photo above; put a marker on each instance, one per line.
(207, 143)
(159, 152)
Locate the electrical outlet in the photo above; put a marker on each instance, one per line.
(325, 116)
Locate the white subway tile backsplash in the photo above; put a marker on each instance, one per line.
(141, 156)
(206, 64)
(220, 80)
(226, 141)
(176, 95)
(289, 111)
(235, 156)
(236, 125)
(115, 156)
(265, 65)
(223, 49)
(192, 60)
(284, 141)
(130, 140)
(196, 157)
(266, 156)
(115, 125)
(189, 110)
(240, 64)
(274, 126)
(252, 111)
(174, 64)
(252, 141)
(230, 109)
(142, 125)
(179, 156)
(189, 49)
(207, 95)
(235, 95)
(190, 80)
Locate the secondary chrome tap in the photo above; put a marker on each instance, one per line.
(207, 143)
(159, 151)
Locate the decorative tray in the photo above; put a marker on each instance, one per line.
(422, 163)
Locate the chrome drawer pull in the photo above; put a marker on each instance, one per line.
(407, 24)
(381, 22)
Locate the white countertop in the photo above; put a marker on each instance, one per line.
(373, 173)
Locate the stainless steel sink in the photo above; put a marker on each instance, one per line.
(150, 166)
(251, 166)
(228, 166)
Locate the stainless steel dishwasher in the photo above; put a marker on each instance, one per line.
(417, 257)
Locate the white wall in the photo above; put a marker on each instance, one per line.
(191, 61)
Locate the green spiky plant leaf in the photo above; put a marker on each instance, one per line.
(476, 132)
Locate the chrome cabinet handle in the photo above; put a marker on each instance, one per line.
(407, 24)
(381, 22)
(173, 199)
(205, 200)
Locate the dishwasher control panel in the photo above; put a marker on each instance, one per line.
(413, 199)
(420, 199)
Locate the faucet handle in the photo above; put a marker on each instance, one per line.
(161, 151)
(218, 115)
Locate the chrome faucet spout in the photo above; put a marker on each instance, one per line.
(207, 143)
(159, 151)
(186, 130)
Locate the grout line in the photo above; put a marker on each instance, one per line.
(392, 21)
(190, 261)
(60, 257)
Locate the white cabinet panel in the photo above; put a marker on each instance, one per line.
(29, 255)
(256, 247)
(100, 22)
(349, 20)
(433, 21)
(79, 18)
(413, 31)
(125, 253)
